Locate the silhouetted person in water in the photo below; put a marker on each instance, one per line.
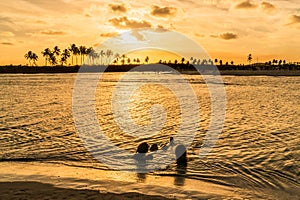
(181, 157)
(181, 161)
(181, 171)
(141, 158)
(171, 144)
(143, 148)
(141, 152)
(153, 147)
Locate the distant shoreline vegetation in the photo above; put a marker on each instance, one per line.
(254, 69)
(86, 59)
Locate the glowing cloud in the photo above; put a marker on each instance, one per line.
(125, 23)
(163, 11)
(225, 36)
(112, 34)
(245, 5)
(52, 32)
(295, 19)
(7, 43)
(268, 7)
(118, 8)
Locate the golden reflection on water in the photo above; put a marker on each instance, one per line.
(147, 96)
(140, 104)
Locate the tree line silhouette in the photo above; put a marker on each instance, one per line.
(89, 57)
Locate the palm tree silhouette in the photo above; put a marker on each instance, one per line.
(191, 59)
(249, 58)
(204, 62)
(182, 60)
(88, 54)
(76, 54)
(109, 53)
(117, 56)
(30, 56)
(52, 59)
(93, 55)
(82, 52)
(56, 51)
(65, 55)
(73, 49)
(147, 59)
(46, 53)
(194, 61)
(102, 53)
(34, 57)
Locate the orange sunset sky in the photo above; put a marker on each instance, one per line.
(226, 29)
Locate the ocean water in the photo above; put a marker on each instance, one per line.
(258, 149)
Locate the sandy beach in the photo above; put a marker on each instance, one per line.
(36, 190)
(34, 180)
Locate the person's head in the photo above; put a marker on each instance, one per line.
(153, 147)
(180, 152)
(143, 148)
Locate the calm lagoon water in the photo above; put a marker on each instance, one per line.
(258, 149)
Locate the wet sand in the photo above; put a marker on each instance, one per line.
(36, 190)
(35, 180)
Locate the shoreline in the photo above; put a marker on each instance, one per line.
(290, 73)
(38, 190)
(43, 180)
(205, 70)
(29, 179)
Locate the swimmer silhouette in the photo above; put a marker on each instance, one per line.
(153, 147)
(143, 148)
(179, 180)
(171, 144)
(181, 157)
(141, 153)
(181, 168)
